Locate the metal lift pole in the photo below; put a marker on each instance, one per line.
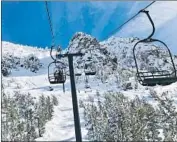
(74, 100)
(74, 95)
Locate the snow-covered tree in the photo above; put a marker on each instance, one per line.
(8, 63)
(54, 100)
(49, 108)
(31, 62)
(19, 113)
(118, 118)
(168, 113)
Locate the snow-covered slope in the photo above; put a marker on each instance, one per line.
(164, 15)
(108, 79)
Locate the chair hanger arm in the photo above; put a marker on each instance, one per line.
(151, 21)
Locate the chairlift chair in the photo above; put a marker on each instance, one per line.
(152, 78)
(89, 67)
(91, 71)
(78, 74)
(78, 70)
(57, 73)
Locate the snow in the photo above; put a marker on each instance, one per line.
(61, 126)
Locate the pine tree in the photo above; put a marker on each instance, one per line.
(4, 112)
(13, 120)
(119, 119)
(49, 108)
(41, 113)
(54, 100)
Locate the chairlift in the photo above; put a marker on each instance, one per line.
(89, 67)
(90, 72)
(78, 74)
(78, 71)
(152, 78)
(56, 73)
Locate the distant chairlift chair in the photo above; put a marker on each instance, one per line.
(157, 77)
(89, 67)
(78, 72)
(91, 71)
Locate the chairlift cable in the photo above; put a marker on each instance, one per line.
(118, 28)
(51, 29)
(49, 19)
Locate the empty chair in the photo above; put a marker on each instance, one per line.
(158, 76)
(90, 69)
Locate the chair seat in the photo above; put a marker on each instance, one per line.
(57, 82)
(78, 74)
(52, 80)
(158, 81)
(90, 73)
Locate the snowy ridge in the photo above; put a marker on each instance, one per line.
(109, 78)
(153, 54)
(22, 50)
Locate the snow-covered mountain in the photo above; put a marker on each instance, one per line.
(114, 66)
(148, 55)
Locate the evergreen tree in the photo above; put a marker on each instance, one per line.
(13, 118)
(4, 112)
(49, 108)
(54, 100)
(119, 119)
(41, 113)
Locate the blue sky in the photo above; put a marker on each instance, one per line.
(27, 22)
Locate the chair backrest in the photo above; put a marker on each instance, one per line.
(149, 39)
